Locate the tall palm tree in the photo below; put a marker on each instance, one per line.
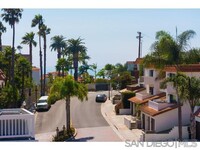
(58, 44)
(67, 88)
(2, 30)
(12, 16)
(29, 39)
(168, 51)
(43, 32)
(39, 21)
(75, 47)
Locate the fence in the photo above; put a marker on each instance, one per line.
(16, 123)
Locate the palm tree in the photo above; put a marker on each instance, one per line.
(2, 30)
(12, 16)
(39, 21)
(58, 44)
(29, 40)
(24, 68)
(94, 67)
(168, 51)
(67, 88)
(75, 47)
(188, 89)
(43, 32)
(63, 65)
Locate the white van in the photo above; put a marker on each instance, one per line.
(42, 103)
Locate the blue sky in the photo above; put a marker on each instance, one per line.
(109, 34)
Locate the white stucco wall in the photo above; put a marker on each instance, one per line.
(169, 119)
(36, 77)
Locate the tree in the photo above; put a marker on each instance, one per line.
(58, 44)
(43, 32)
(22, 75)
(63, 65)
(101, 73)
(76, 47)
(2, 30)
(67, 88)
(188, 89)
(12, 16)
(29, 40)
(39, 21)
(168, 51)
(94, 68)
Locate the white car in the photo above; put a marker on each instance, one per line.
(42, 103)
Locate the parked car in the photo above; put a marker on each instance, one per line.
(42, 103)
(101, 98)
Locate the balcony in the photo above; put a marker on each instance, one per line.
(159, 104)
(142, 95)
(16, 123)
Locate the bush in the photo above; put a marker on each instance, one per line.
(125, 96)
(53, 98)
(63, 135)
(99, 80)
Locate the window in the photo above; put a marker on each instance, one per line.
(172, 98)
(171, 75)
(151, 90)
(151, 73)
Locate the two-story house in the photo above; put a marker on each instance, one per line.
(161, 115)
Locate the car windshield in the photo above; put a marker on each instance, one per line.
(42, 101)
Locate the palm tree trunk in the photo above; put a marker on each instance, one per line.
(179, 120)
(44, 88)
(30, 52)
(41, 83)
(0, 43)
(67, 113)
(75, 59)
(13, 57)
(193, 126)
(59, 56)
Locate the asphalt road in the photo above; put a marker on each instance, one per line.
(86, 117)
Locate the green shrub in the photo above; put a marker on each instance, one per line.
(53, 98)
(63, 135)
(99, 80)
(125, 96)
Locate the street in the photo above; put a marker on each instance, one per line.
(86, 118)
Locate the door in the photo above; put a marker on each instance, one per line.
(152, 124)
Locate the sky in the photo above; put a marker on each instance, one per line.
(109, 34)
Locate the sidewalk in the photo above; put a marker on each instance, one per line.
(117, 123)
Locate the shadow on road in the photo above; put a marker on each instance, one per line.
(85, 139)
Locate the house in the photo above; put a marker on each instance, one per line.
(133, 67)
(36, 75)
(2, 78)
(161, 115)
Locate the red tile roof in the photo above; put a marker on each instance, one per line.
(184, 68)
(139, 101)
(138, 60)
(152, 112)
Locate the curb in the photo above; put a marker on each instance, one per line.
(112, 125)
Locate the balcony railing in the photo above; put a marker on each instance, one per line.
(159, 104)
(142, 95)
(16, 123)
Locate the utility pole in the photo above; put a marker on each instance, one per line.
(139, 48)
